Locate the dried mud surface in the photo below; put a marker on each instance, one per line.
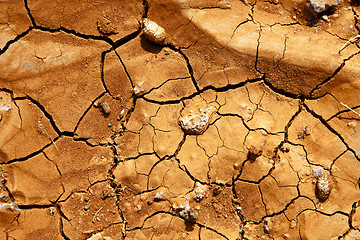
(242, 124)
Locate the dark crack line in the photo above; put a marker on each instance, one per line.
(60, 174)
(284, 50)
(342, 111)
(74, 33)
(331, 214)
(352, 213)
(263, 202)
(190, 69)
(61, 28)
(206, 8)
(212, 229)
(141, 155)
(17, 38)
(331, 129)
(36, 206)
(335, 35)
(260, 179)
(246, 126)
(286, 207)
(333, 163)
(216, 89)
(175, 215)
(356, 20)
(237, 178)
(282, 92)
(273, 3)
(47, 115)
(85, 140)
(29, 13)
(54, 126)
(152, 169)
(284, 24)
(125, 69)
(61, 213)
(276, 152)
(17, 106)
(183, 24)
(283, 186)
(70, 195)
(148, 217)
(184, 169)
(146, 8)
(62, 233)
(102, 64)
(306, 154)
(288, 125)
(87, 110)
(236, 28)
(257, 51)
(162, 84)
(126, 39)
(333, 75)
(164, 158)
(33, 154)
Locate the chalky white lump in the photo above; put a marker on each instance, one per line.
(322, 5)
(159, 196)
(188, 214)
(138, 89)
(104, 107)
(153, 32)
(98, 236)
(322, 190)
(200, 192)
(5, 107)
(196, 123)
(318, 172)
(4, 205)
(12, 206)
(2, 179)
(178, 208)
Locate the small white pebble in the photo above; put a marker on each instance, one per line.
(138, 89)
(351, 124)
(153, 32)
(158, 196)
(5, 107)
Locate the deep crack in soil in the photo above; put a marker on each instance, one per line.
(209, 120)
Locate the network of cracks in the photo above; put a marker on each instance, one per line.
(242, 124)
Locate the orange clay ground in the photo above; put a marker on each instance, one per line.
(242, 122)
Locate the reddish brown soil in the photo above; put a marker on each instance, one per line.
(242, 124)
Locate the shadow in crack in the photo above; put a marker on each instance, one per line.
(189, 226)
(355, 2)
(312, 17)
(149, 46)
(3, 157)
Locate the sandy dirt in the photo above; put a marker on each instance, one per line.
(169, 119)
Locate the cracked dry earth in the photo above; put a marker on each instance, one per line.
(242, 124)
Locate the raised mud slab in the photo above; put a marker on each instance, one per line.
(169, 119)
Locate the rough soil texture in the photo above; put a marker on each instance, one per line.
(241, 120)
